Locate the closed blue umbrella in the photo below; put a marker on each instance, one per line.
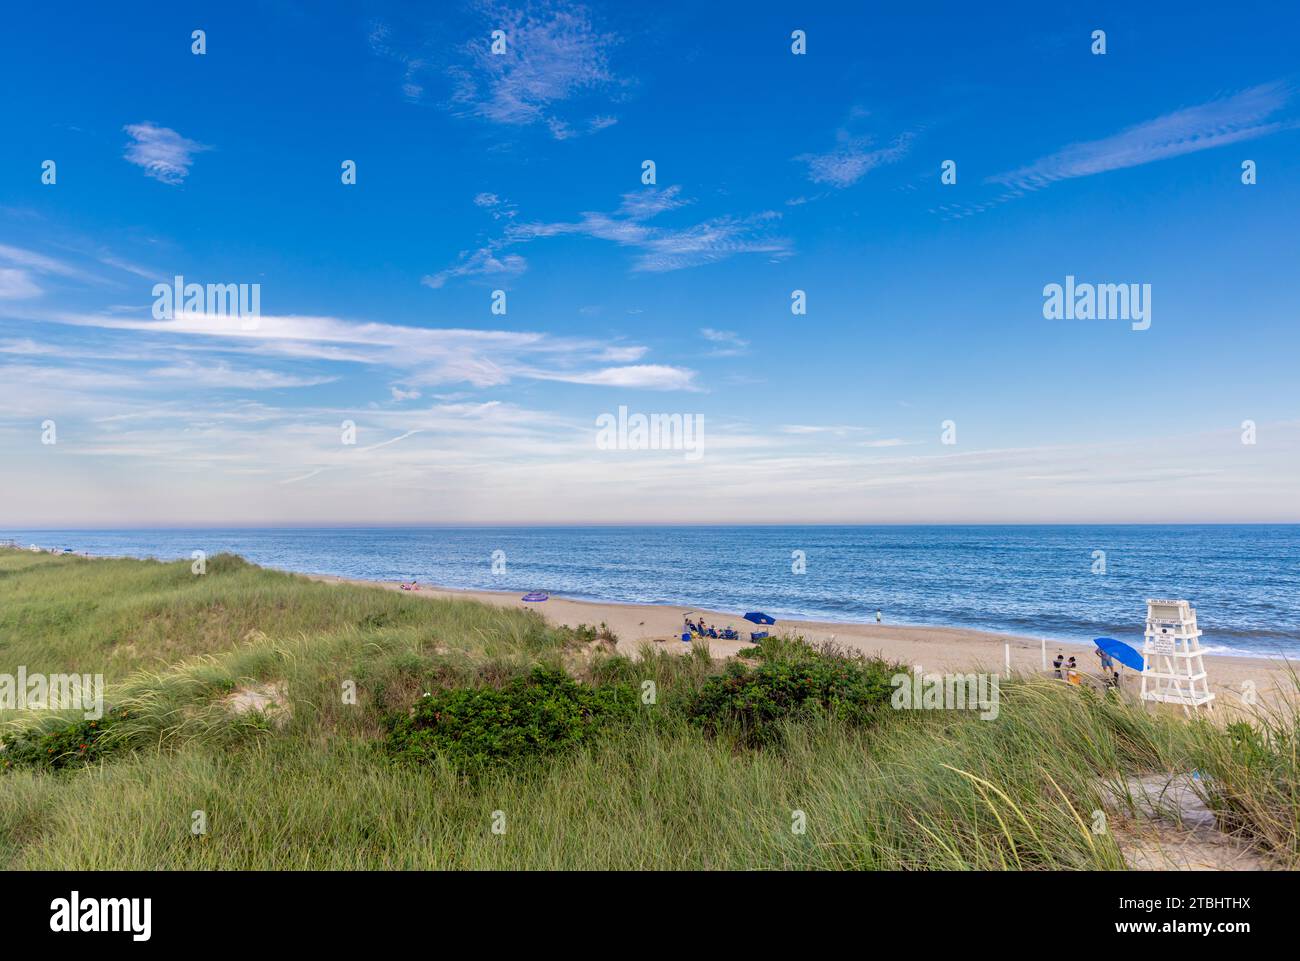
(1126, 655)
(758, 617)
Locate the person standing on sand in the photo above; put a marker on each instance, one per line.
(1057, 662)
(877, 616)
(1108, 666)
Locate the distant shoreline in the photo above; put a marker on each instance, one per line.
(843, 622)
(1022, 580)
(933, 648)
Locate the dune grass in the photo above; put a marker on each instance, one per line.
(306, 783)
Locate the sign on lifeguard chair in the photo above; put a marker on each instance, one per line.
(1173, 666)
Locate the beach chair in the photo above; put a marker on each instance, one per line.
(757, 635)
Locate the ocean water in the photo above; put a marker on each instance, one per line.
(1036, 581)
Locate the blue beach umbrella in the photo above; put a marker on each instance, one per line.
(1120, 651)
(760, 618)
(534, 596)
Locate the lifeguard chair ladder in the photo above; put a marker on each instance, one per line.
(1173, 667)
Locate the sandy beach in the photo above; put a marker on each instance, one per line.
(935, 649)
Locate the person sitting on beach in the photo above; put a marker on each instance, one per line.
(1057, 662)
(713, 631)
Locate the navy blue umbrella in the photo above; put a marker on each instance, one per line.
(760, 618)
(1120, 651)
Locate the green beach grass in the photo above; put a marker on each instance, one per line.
(310, 777)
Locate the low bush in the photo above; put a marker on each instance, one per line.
(73, 745)
(792, 681)
(543, 713)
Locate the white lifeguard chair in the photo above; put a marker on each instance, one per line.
(1173, 667)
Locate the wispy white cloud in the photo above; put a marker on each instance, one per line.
(836, 429)
(24, 268)
(117, 263)
(623, 354)
(643, 376)
(563, 130)
(225, 376)
(660, 248)
(424, 356)
(854, 155)
(385, 443)
(485, 262)
(17, 284)
(710, 241)
(65, 378)
(650, 202)
(497, 206)
(849, 162)
(163, 153)
(553, 53)
(1224, 120)
(730, 344)
(41, 263)
(27, 347)
(382, 44)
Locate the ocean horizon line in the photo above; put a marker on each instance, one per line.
(592, 525)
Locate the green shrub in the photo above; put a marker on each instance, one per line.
(225, 563)
(541, 714)
(793, 681)
(83, 742)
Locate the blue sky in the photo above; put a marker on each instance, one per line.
(522, 172)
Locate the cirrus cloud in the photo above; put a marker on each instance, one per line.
(164, 154)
